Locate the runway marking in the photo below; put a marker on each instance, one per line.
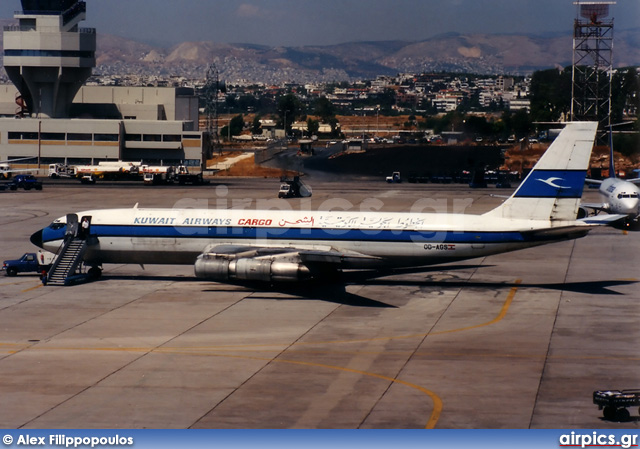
(437, 402)
(498, 318)
(32, 288)
(501, 315)
(252, 347)
(14, 283)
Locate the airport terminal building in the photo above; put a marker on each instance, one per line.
(48, 115)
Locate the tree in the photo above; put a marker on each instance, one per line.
(325, 109)
(477, 125)
(333, 122)
(550, 94)
(234, 128)
(521, 123)
(289, 108)
(256, 127)
(313, 126)
(625, 93)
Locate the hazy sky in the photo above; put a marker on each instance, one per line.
(321, 22)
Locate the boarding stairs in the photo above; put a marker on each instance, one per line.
(67, 262)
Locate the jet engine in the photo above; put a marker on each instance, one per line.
(219, 268)
(582, 212)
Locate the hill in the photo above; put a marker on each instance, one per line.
(472, 53)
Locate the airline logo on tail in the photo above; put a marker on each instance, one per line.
(552, 184)
(551, 181)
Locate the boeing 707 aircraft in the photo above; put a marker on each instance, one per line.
(273, 246)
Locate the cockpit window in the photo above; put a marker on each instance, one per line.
(55, 226)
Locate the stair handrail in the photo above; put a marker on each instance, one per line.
(62, 252)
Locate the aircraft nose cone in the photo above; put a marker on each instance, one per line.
(36, 238)
(630, 206)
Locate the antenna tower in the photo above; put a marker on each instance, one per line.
(211, 102)
(592, 63)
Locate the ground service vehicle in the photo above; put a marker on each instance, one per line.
(61, 171)
(26, 182)
(615, 403)
(5, 171)
(395, 177)
(170, 175)
(29, 263)
(293, 188)
(88, 179)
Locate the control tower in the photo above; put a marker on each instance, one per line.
(47, 56)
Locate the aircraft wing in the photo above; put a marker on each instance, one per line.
(595, 206)
(11, 161)
(593, 181)
(271, 263)
(22, 170)
(603, 220)
(634, 181)
(304, 253)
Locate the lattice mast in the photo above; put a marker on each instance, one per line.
(211, 90)
(592, 63)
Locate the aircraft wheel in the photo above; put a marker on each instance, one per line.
(622, 414)
(95, 272)
(609, 413)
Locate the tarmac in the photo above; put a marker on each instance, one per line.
(518, 340)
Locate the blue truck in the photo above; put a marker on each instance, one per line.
(26, 182)
(29, 263)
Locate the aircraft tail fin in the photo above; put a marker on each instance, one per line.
(612, 166)
(552, 190)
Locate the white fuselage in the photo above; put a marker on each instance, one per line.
(620, 196)
(178, 236)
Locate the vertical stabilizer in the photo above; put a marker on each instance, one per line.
(553, 188)
(612, 165)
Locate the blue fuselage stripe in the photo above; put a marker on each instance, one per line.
(366, 235)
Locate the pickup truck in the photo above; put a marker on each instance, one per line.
(29, 263)
(26, 182)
